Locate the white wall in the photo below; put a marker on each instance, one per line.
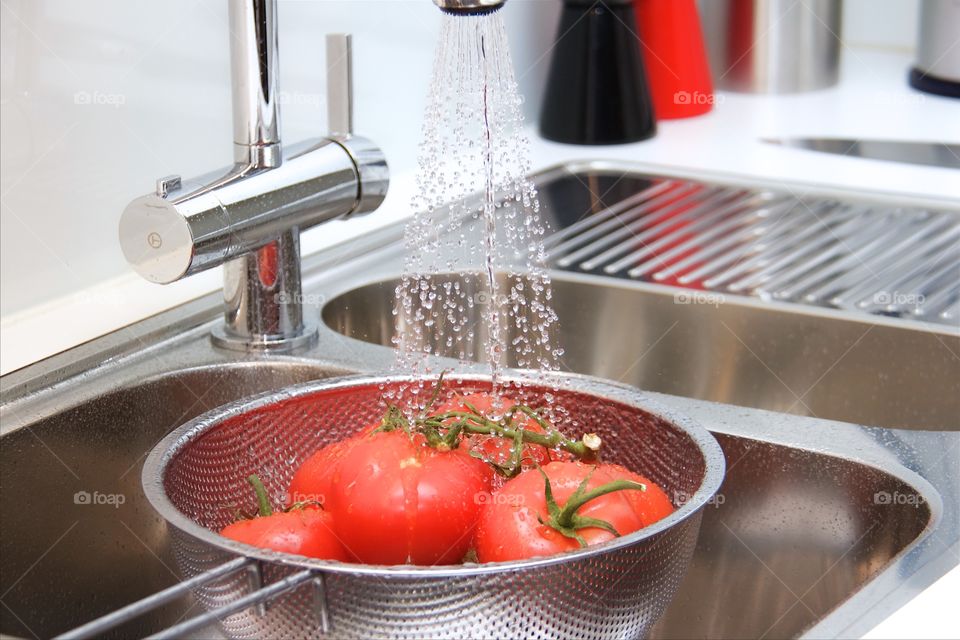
(99, 98)
(887, 24)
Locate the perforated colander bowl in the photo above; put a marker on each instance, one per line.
(196, 479)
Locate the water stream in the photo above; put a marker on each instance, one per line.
(475, 286)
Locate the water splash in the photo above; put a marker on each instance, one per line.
(475, 286)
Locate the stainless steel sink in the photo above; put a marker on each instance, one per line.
(818, 363)
(793, 535)
(67, 558)
(794, 532)
(822, 527)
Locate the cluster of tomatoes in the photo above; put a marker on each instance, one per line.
(476, 478)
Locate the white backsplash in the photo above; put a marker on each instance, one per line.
(886, 24)
(99, 98)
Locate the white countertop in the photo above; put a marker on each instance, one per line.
(931, 615)
(871, 101)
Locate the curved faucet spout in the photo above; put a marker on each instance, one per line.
(248, 218)
(469, 7)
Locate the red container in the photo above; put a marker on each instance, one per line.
(675, 58)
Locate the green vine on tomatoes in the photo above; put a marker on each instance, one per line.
(263, 500)
(567, 521)
(443, 430)
(264, 509)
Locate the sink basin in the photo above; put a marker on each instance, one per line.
(813, 362)
(794, 533)
(79, 537)
(782, 516)
(791, 536)
(841, 435)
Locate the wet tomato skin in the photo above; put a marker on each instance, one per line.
(306, 532)
(311, 481)
(395, 500)
(509, 528)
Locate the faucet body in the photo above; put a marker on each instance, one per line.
(249, 216)
(469, 7)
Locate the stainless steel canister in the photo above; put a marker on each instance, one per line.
(773, 46)
(938, 57)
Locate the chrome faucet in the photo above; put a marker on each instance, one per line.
(469, 7)
(249, 217)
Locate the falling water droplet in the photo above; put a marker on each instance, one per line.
(475, 285)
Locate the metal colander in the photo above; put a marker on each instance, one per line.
(195, 478)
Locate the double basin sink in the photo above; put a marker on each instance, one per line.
(841, 435)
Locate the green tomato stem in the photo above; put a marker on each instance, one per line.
(566, 517)
(566, 520)
(445, 435)
(263, 501)
(475, 423)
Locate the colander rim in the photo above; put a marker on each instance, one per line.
(166, 449)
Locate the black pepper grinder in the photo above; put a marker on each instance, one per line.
(597, 88)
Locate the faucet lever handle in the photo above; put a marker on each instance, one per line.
(340, 83)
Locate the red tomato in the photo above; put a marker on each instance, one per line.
(306, 532)
(493, 448)
(486, 403)
(509, 528)
(395, 500)
(310, 482)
